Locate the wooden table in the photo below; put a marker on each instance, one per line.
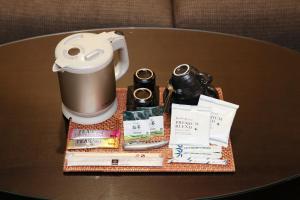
(261, 77)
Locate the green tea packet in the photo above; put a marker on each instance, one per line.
(136, 127)
(156, 119)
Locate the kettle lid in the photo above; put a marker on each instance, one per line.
(83, 53)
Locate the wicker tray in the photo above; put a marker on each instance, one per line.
(116, 122)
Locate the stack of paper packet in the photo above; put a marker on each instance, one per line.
(199, 132)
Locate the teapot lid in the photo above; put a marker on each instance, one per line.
(83, 53)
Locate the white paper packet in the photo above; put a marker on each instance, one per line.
(190, 125)
(222, 117)
(190, 160)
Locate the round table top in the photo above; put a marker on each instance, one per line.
(259, 76)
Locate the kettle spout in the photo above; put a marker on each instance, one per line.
(57, 68)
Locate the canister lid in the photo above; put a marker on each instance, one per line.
(83, 53)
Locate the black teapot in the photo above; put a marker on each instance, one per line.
(186, 85)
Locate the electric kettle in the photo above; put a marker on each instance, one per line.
(87, 74)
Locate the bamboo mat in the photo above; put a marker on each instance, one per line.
(116, 122)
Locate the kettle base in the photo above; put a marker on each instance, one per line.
(111, 110)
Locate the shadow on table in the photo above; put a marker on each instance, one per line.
(8, 196)
(289, 189)
(63, 137)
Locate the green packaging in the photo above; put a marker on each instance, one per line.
(156, 119)
(136, 127)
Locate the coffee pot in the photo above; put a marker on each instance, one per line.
(87, 74)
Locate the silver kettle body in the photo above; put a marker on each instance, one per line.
(87, 75)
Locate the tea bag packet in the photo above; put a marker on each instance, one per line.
(136, 127)
(221, 119)
(89, 138)
(190, 125)
(193, 160)
(90, 133)
(90, 143)
(197, 151)
(156, 119)
(203, 152)
(197, 154)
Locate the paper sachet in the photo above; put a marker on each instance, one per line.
(136, 127)
(156, 119)
(221, 118)
(190, 125)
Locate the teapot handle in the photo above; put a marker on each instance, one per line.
(118, 43)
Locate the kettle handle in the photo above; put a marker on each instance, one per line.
(118, 43)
